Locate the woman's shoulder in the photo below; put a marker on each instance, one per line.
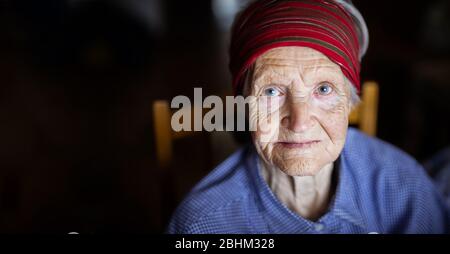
(223, 188)
(374, 161)
(369, 150)
(390, 178)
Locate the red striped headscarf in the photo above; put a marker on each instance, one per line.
(323, 25)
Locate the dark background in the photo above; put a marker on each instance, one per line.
(77, 82)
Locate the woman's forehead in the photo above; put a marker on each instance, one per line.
(286, 59)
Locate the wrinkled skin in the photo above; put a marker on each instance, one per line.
(301, 109)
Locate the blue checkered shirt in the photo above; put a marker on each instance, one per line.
(380, 189)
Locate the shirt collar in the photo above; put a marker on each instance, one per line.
(280, 219)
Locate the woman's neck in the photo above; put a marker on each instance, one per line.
(308, 196)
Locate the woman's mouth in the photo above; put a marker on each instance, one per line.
(302, 144)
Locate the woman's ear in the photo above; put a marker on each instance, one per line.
(350, 104)
(353, 97)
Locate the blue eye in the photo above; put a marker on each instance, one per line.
(324, 89)
(271, 92)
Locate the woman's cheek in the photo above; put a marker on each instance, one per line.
(332, 113)
(265, 117)
(253, 114)
(270, 105)
(328, 103)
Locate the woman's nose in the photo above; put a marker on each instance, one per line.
(299, 118)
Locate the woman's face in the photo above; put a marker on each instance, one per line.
(301, 109)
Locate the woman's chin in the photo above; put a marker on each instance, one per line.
(298, 167)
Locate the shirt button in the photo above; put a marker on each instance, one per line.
(319, 227)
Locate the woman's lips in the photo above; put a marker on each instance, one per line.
(304, 144)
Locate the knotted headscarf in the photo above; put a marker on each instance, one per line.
(323, 25)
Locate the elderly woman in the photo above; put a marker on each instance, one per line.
(307, 172)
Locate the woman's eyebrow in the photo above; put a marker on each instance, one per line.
(328, 69)
(263, 70)
(324, 73)
(268, 72)
(272, 78)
